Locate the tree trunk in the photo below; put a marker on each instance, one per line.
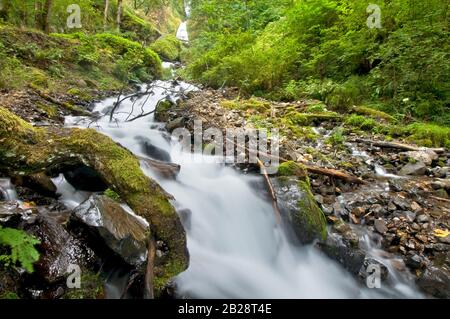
(47, 15)
(38, 21)
(4, 10)
(119, 13)
(105, 15)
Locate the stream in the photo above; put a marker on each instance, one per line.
(236, 248)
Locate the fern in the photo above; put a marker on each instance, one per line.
(21, 247)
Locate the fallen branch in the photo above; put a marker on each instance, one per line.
(149, 275)
(166, 170)
(440, 199)
(272, 191)
(310, 168)
(399, 146)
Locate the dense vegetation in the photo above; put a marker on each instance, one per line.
(324, 49)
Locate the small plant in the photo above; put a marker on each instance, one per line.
(21, 248)
(112, 194)
(337, 138)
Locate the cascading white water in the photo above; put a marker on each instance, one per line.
(7, 189)
(236, 248)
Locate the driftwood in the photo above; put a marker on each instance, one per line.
(149, 273)
(311, 168)
(445, 200)
(272, 191)
(398, 146)
(166, 170)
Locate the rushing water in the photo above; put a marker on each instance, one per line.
(236, 248)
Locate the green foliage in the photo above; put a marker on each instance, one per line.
(323, 49)
(112, 194)
(429, 135)
(21, 248)
(337, 138)
(361, 122)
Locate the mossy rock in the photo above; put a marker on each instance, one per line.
(26, 150)
(297, 205)
(92, 287)
(168, 47)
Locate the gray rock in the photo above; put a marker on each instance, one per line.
(414, 261)
(174, 124)
(380, 226)
(367, 269)
(435, 282)
(413, 169)
(423, 218)
(122, 231)
(153, 151)
(85, 179)
(425, 156)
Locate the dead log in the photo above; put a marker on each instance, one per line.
(310, 168)
(165, 170)
(149, 273)
(272, 191)
(397, 145)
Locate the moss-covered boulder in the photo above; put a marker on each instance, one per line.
(297, 205)
(168, 48)
(26, 150)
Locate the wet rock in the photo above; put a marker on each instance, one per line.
(414, 261)
(59, 249)
(414, 169)
(125, 233)
(367, 269)
(174, 124)
(85, 179)
(423, 218)
(40, 183)
(165, 170)
(299, 209)
(153, 151)
(435, 282)
(425, 156)
(350, 257)
(161, 112)
(380, 226)
(11, 214)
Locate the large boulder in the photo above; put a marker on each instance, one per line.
(414, 169)
(122, 231)
(436, 282)
(299, 209)
(59, 249)
(425, 156)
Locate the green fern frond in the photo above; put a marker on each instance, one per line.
(21, 247)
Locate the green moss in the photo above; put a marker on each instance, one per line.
(112, 194)
(9, 295)
(137, 28)
(376, 114)
(168, 47)
(428, 135)
(80, 94)
(254, 104)
(50, 110)
(12, 125)
(313, 217)
(291, 168)
(160, 281)
(316, 108)
(92, 287)
(337, 138)
(361, 122)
